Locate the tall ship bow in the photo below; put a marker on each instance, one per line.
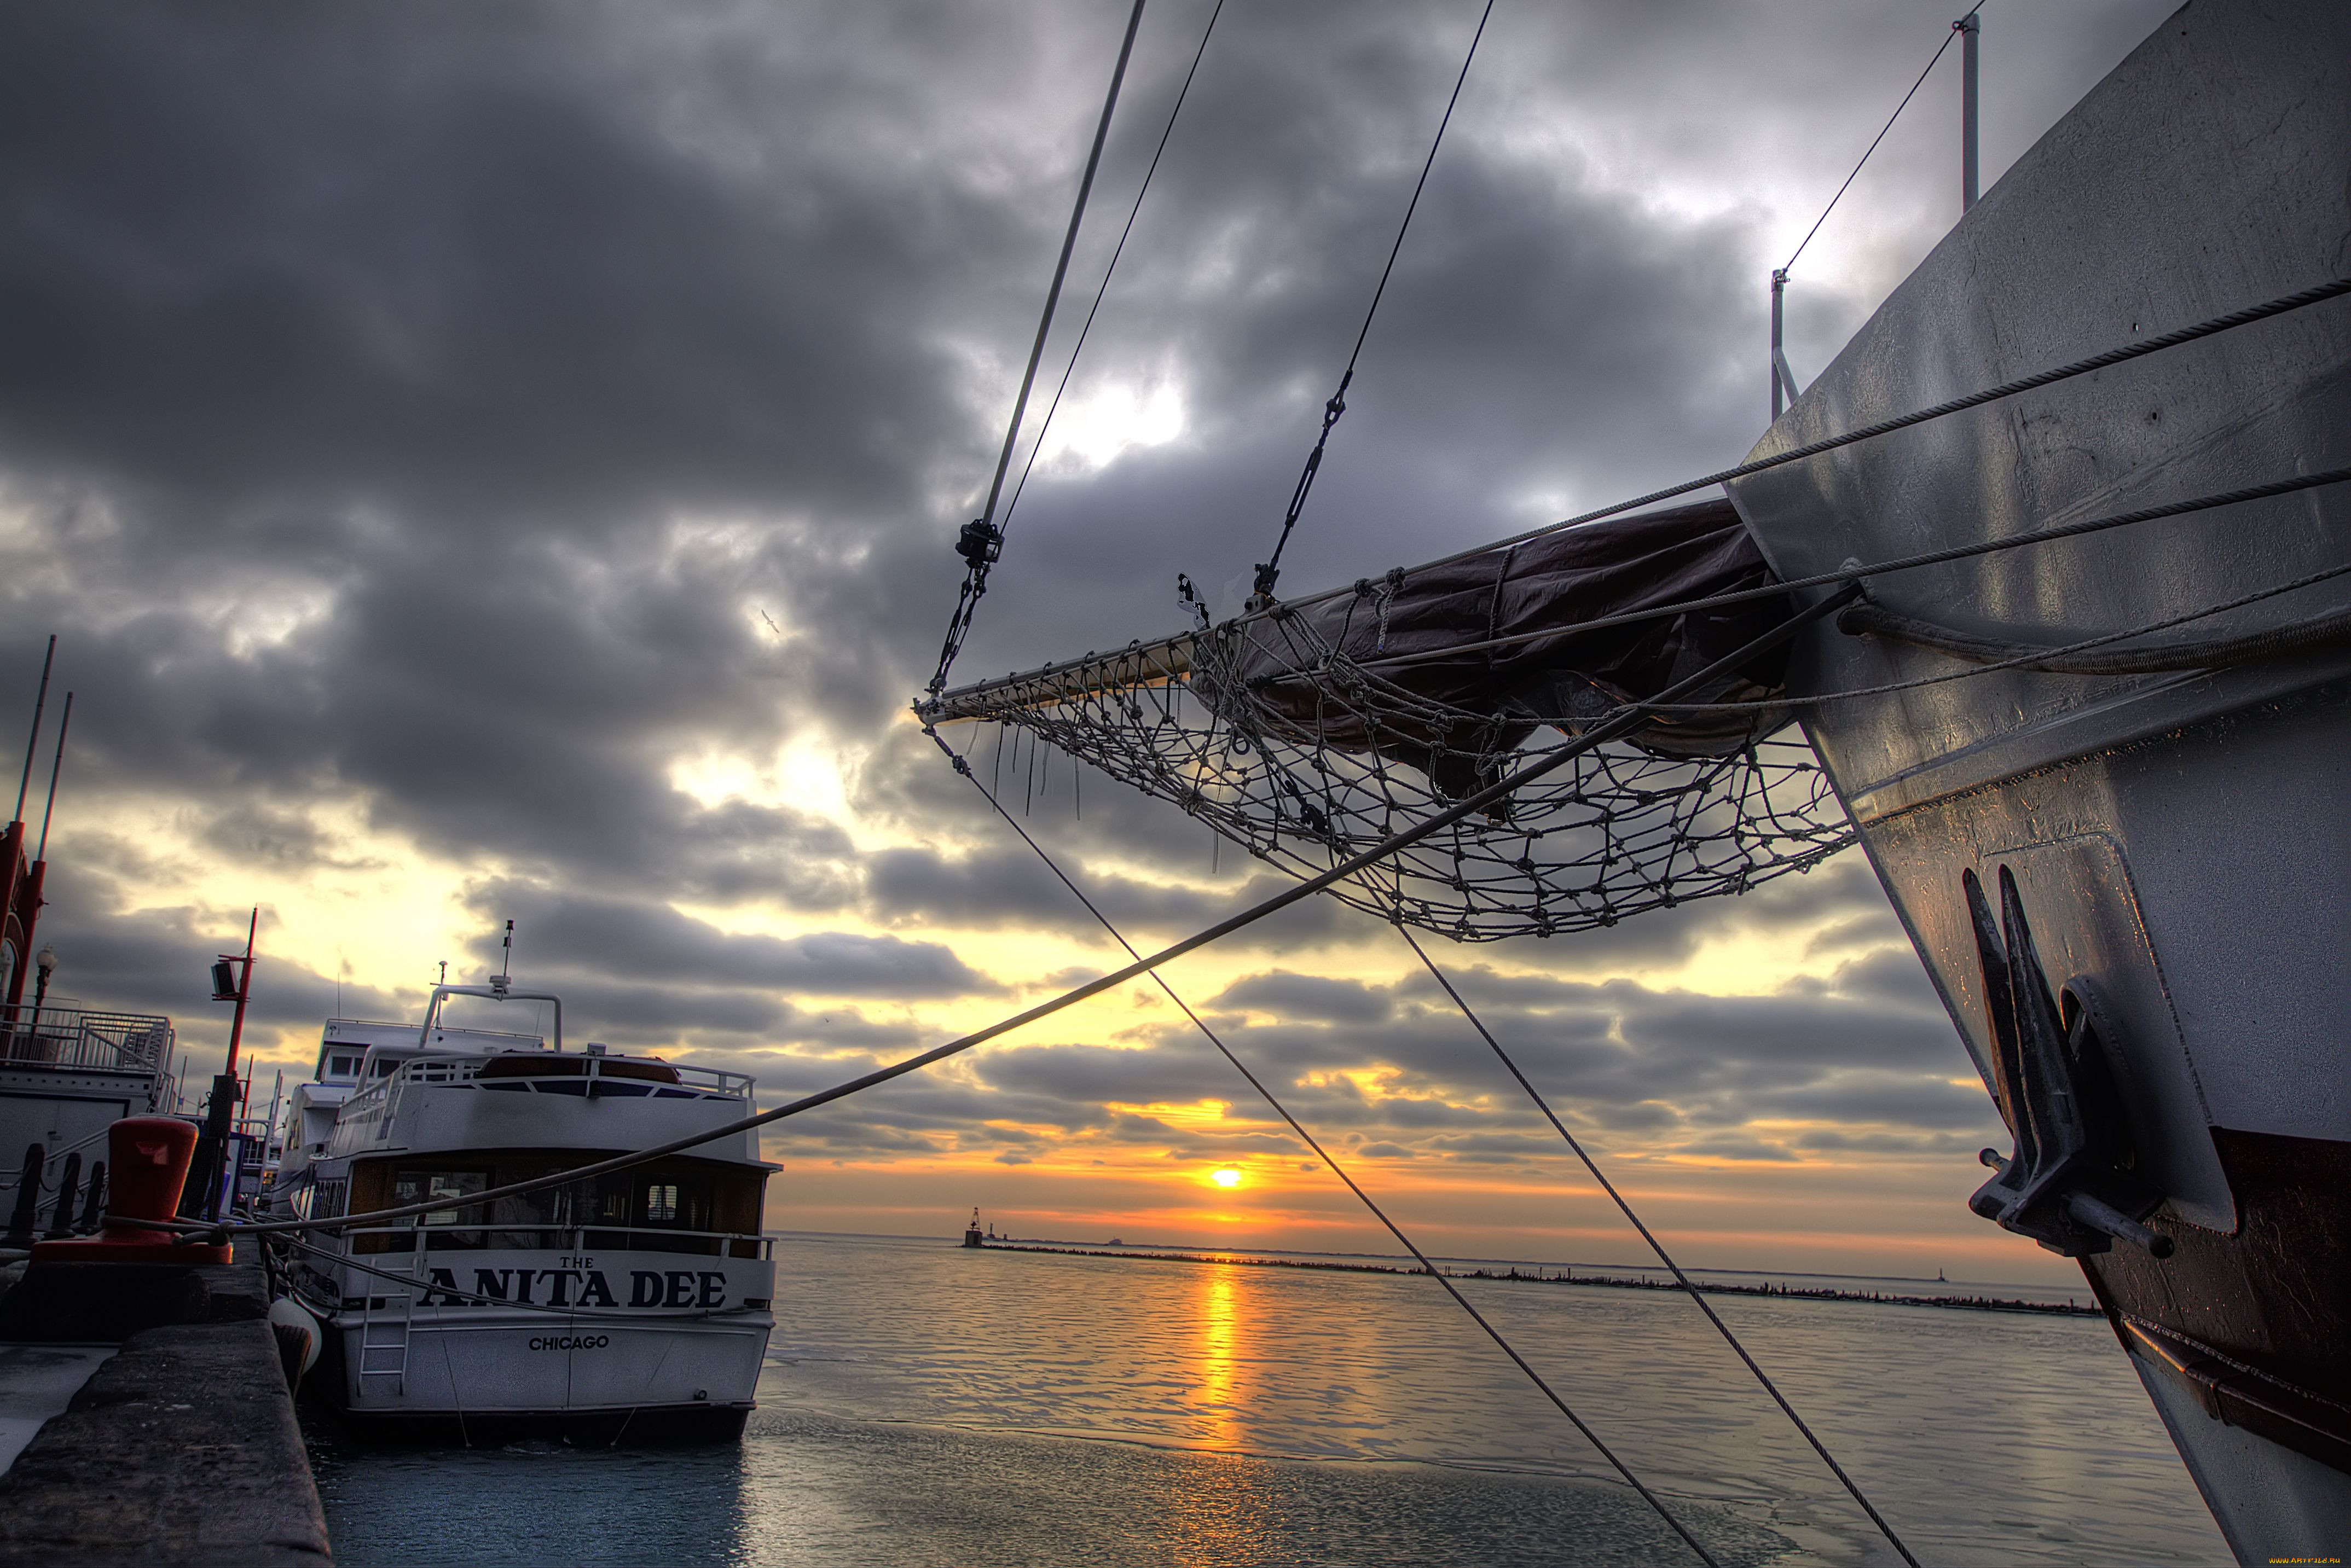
(2129, 867)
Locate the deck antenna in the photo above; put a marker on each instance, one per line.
(32, 745)
(444, 973)
(506, 968)
(1783, 380)
(64, 720)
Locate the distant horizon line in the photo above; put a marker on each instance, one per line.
(1436, 1257)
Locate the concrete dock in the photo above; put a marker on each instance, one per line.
(180, 1447)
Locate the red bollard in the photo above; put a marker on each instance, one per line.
(147, 1165)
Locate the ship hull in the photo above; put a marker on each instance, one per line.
(2176, 838)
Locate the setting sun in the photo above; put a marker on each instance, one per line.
(1228, 1176)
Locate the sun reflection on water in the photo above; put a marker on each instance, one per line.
(1213, 1514)
(1218, 1312)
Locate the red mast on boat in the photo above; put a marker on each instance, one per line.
(20, 875)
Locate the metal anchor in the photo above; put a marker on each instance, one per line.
(2068, 1185)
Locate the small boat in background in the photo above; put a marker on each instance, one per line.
(636, 1305)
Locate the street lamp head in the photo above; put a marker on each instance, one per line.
(46, 961)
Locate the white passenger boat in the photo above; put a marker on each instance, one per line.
(635, 1303)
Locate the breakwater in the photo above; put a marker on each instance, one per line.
(1568, 1276)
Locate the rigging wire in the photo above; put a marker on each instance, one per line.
(1956, 28)
(2036, 656)
(1268, 571)
(981, 541)
(1339, 1172)
(1045, 425)
(1624, 720)
(1657, 1247)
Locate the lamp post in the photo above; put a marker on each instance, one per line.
(232, 981)
(45, 964)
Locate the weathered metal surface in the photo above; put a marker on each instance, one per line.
(2178, 838)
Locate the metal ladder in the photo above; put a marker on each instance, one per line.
(383, 1340)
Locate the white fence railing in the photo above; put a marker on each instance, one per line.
(74, 1037)
(590, 1078)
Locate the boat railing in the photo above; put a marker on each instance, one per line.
(590, 1078)
(76, 1037)
(412, 1238)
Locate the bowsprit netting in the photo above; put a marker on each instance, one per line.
(1308, 735)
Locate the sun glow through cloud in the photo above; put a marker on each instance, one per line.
(1226, 1177)
(1094, 431)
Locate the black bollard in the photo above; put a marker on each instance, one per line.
(28, 1198)
(93, 1207)
(68, 1188)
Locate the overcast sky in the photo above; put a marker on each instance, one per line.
(500, 460)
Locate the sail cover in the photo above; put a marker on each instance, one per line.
(1503, 637)
(1309, 733)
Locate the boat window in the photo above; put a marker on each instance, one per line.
(665, 1207)
(328, 1203)
(342, 1066)
(427, 1186)
(385, 1066)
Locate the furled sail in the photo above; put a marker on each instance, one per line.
(1505, 635)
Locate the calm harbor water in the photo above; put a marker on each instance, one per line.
(927, 1405)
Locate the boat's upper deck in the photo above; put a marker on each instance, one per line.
(541, 1099)
(442, 1087)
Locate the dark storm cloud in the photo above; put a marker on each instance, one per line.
(1617, 1056)
(1618, 1060)
(450, 253)
(1305, 996)
(637, 943)
(1009, 887)
(442, 319)
(1181, 1071)
(471, 414)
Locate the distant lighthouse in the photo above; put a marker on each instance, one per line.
(971, 1236)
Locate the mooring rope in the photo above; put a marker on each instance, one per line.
(1339, 1172)
(1658, 1247)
